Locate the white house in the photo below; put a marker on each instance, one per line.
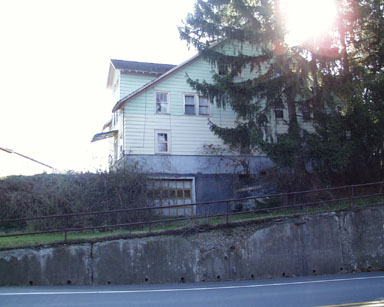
(159, 121)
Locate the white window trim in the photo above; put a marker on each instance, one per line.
(168, 132)
(168, 102)
(196, 100)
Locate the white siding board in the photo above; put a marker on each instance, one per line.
(189, 133)
(131, 82)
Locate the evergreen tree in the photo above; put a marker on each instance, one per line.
(281, 76)
(344, 68)
(349, 145)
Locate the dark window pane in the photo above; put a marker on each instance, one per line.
(306, 115)
(187, 193)
(279, 114)
(190, 109)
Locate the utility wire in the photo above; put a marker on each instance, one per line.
(10, 151)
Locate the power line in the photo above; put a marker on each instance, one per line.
(10, 151)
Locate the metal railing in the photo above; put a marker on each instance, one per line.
(256, 206)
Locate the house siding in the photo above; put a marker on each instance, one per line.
(115, 90)
(194, 151)
(189, 133)
(132, 81)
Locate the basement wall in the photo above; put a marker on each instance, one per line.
(331, 243)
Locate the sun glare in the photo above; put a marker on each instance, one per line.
(307, 19)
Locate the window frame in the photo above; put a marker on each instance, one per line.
(168, 102)
(278, 110)
(222, 70)
(306, 114)
(168, 142)
(208, 106)
(154, 182)
(194, 103)
(196, 99)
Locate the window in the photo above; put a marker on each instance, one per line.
(203, 106)
(171, 192)
(279, 114)
(189, 104)
(306, 112)
(162, 144)
(196, 105)
(162, 102)
(339, 109)
(222, 69)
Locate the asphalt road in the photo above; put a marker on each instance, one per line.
(341, 290)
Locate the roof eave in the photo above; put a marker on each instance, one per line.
(150, 73)
(120, 104)
(111, 74)
(107, 124)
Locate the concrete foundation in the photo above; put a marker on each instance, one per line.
(297, 246)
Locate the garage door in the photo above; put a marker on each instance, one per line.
(169, 192)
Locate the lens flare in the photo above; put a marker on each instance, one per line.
(307, 19)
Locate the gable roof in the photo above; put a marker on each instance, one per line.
(142, 67)
(164, 76)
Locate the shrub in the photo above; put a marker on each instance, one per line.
(57, 194)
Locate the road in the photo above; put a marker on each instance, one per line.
(342, 290)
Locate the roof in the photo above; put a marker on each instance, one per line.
(143, 67)
(140, 90)
(104, 135)
(107, 124)
(162, 77)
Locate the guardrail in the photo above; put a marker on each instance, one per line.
(295, 202)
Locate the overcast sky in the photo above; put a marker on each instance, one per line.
(54, 60)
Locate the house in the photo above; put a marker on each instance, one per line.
(161, 123)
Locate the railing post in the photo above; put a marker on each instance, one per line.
(226, 214)
(66, 226)
(353, 196)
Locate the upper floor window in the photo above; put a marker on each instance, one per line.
(162, 102)
(306, 112)
(196, 105)
(203, 106)
(189, 104)
(222, 69)
(339, 109)
(279, 114)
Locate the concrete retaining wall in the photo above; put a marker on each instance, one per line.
(320, 244)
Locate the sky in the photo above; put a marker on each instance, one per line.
(54, 61)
